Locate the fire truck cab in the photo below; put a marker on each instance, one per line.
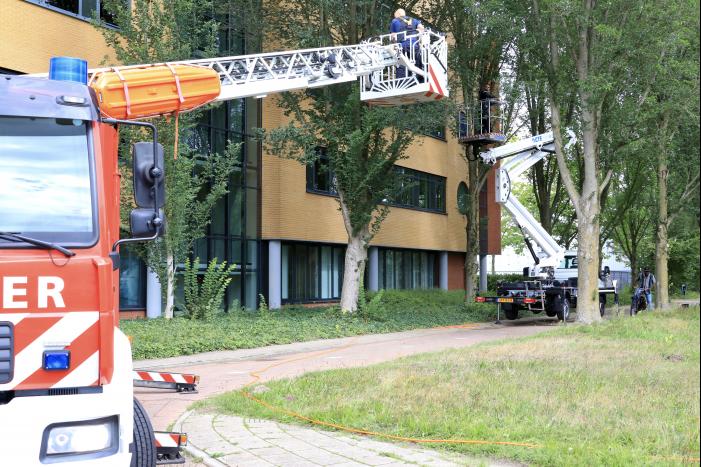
(65, 367)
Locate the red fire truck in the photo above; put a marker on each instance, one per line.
(66, 377)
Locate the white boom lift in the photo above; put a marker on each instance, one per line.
(547, 290)
(522, 155)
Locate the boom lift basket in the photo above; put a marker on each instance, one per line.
(411, 80)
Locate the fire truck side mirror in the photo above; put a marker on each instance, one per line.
(146, 223)
(149, 175)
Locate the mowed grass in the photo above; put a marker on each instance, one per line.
(624, 392)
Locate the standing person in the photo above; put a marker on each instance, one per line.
(406, 30)
(646, 281)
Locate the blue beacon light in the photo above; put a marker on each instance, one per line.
(68, 69)
(57, 359)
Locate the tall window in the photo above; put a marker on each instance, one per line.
(407, 269)
(84, 9)
(320, 177)
(311, 272)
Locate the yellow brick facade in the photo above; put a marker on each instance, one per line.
(31, 34)
(290, 213)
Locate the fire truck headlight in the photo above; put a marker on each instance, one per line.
(91, 437)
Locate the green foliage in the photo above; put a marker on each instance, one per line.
(624, 392)
(204, 293)
(494, 279)
(155, 32)
(373, 309)
(241, 329)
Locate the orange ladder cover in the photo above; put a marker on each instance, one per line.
(140, 92)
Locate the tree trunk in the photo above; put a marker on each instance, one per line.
(662, 247)
(353, 271)
(170, 285)
(588, 225)
(472, 229)
(633, 268)
(472, 236)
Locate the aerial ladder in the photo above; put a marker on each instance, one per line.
(66, 376)
(548, 287)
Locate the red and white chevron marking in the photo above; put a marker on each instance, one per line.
(35, 333)
(434, 86)
(164, 377)
(166, 439)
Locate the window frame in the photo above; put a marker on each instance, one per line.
(78, 16)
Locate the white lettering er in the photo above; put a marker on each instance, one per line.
(50, 286)
(11, 289)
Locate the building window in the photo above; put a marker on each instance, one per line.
(232, 233)
(320, 177)
(84, 9)
(311, 272)
(420, 190)
(132, 280)
(407, 269)
(438, 132)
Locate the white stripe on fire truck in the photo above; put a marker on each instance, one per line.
(83, 375)
(13, 318)
(69, 327)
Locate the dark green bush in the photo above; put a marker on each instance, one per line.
(492, 280)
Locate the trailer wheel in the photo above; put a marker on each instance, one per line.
(564, 311)
(144, 454)
(510, 311)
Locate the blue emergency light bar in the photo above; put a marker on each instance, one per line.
(68, 69)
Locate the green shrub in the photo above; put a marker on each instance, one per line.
(240, 328)
(204, 294)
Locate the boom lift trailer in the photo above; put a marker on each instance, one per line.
(549, 288)
(66, 377)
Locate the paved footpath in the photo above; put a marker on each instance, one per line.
(225, 440)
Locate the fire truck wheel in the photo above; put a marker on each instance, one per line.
(144, 454)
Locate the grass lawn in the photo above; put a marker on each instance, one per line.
(624, 392)
(395, 311)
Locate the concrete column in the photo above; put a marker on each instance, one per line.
(483, 273)
(373, 269)
(443, 268)
(154, 299)
(274, 274)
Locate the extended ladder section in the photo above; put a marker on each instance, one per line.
(517, 158)
(389, 74)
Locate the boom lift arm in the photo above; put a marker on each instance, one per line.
(375, 62)
(522, 155)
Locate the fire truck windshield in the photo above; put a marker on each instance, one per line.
(46, 180)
